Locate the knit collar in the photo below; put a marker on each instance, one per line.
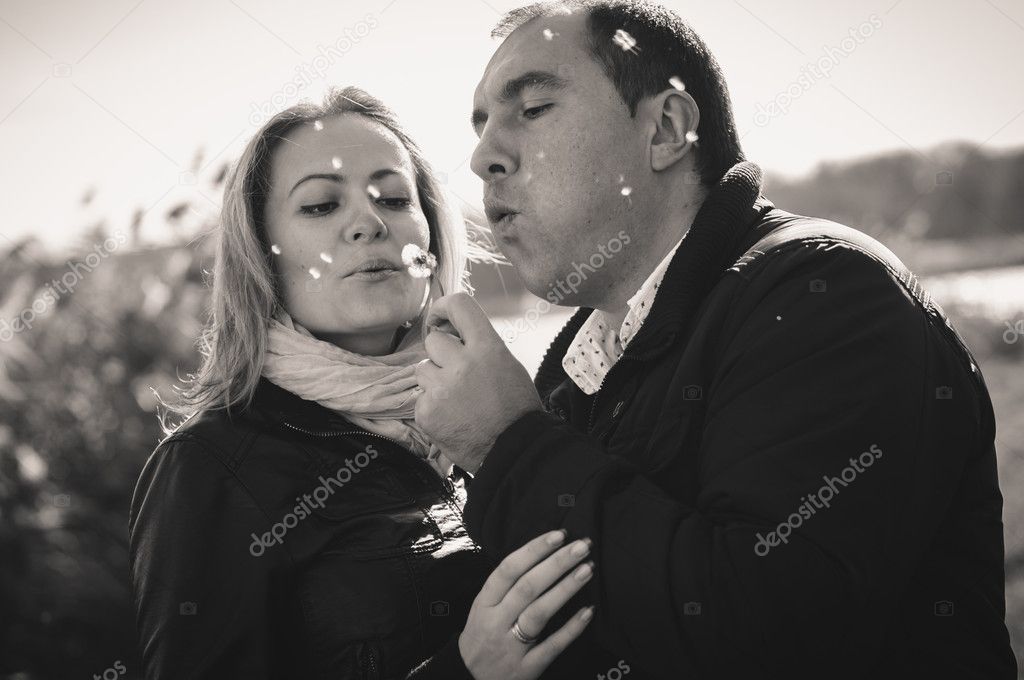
(727, 213)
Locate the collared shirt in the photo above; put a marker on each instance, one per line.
(598, 345)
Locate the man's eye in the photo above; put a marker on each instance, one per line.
(395, 203)
(319, 209)
(535, 111)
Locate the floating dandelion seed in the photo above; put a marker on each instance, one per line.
(314, 272)
(691, 136)
(626, 191)
(318, 125)
(548, 35)
(336, 162)
(420, 263)
(625, 41)
(373, 191)
(677, 82)
(326, 258)
(275, 249)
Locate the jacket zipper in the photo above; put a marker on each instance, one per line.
(373, 666)
(446, 484)
(367, 662)
(597, 396)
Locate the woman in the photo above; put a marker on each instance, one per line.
(297, 523)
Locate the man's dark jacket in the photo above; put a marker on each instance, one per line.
(758, 380)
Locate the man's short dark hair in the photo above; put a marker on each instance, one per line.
(666, 49)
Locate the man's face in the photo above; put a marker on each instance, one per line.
(564, 163)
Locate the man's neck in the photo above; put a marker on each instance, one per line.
(667, 232)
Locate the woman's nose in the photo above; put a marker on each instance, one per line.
(366, 228)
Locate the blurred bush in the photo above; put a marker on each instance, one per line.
(77, 421)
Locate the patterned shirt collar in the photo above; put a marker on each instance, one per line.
(598, 345)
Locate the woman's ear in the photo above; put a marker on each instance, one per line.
(675, 117)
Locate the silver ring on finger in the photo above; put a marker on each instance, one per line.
(518, 633)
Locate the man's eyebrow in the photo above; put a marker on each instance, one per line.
(379, 174)
(541, 80)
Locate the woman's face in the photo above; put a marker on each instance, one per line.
(343, 191)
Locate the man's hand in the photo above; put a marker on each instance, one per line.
(473, 388)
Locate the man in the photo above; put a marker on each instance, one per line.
(784, 457)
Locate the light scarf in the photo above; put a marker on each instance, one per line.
(376, 393)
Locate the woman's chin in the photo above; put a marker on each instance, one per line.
(378, 318)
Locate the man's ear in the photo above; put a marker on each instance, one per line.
(674, 116)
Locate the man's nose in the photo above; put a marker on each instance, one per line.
(493, 159)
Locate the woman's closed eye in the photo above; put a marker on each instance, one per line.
(395, 202)
(327, 207)
(319, 209)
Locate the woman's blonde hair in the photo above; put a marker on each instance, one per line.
(245, 291)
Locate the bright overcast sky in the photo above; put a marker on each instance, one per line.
(120, 94)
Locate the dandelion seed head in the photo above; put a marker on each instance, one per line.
(275, 249)
(326, 258)
(314, 272)
(420, 263)
(336, 162)
(318, 125)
